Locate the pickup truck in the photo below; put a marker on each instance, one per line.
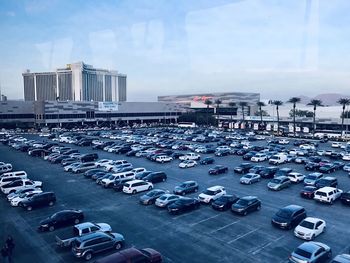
(83, 229)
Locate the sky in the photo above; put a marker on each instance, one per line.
(277, 48)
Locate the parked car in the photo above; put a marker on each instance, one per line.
(296, 177)
(342, 258)
(38, 200)
(166, 199)
(20, 184)
(278, 183)
(327, 181)
(310, 228)
(190, 156)
(83, 167)
(88, 245)
(268, 172)
(243, 168)
(89, 157)
(224, 202)
(245, 205)
(218, 169)
(187, 164)
(24, 196)
(207, 160)
(183, 204)
(249, 178)
(327, 194)
(151, 196)
(211, 194)
(327, 168)
(155, 177)
(289, 216)
(312, 178)
(308, 192)
(61, 219)
(312, 252)
(135, 186)
(345, 198)
(163, 159)
(186, 188)
(259, 157)
(133, 254)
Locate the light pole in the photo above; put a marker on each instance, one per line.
(58, 111)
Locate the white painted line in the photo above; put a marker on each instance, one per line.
(256, 251)
(220, 228)
(241, 236)
(206, 219)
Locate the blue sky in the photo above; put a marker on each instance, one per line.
(278, 48)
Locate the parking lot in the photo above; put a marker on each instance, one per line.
(203, 235)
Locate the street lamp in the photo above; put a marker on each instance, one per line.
(58, 111)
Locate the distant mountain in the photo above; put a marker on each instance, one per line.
(328, 99)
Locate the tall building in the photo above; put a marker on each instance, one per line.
(76, 82)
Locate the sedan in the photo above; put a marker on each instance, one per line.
(207, 160)
(311, 252)
(224, 202)
(308, 192)
(218, 169)
(250, 178)
(166, 199)
(310, 228)
(327, 168)
(183, 205)
(151, 196)
(187, 164)
(246, 204)
(279, 183)
(60, 219)
(243, 168)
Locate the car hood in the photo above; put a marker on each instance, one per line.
(146, 197)
(279, 219)
(273, 184)
(118, 237)
(238, 206)
(304, 230)
(104, 227)
(46, 221)
(179, 188)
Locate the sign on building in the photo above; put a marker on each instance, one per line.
(108, 106)
(268, 127)
(256, 126)
(275, 127)
(298, 129)
(236, 125)
(306, 130)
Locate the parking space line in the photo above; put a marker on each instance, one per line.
(206, 219)
(256, 251)
(220, 228)
(241, 236)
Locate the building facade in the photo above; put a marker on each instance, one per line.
(76, 82)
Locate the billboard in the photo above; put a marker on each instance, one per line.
(108, 106)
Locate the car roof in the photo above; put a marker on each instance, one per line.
(216, 187)
(189, 182)
(90, 236)
(84, 225)
(293, 207)
(312, 219)
(249, 197)
(309, 246)
(326, 189)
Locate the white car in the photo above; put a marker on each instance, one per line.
(101, 163)
(283, 141)
(15, 201)
(327, 194)
(19, 184)
(190, 156)
(211, 194)
(187, 164)
(163, 159)
(310, 228)
(223, 147)
(139, 170)
(307, 147)
(296, 177)
(259, 157)
(321, 152)
(136, 186)
(336, 144)
(346, 157)
(113, 164)
(346, 168)
(19, 192)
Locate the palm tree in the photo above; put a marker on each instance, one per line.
(260, 104)
(218, 102)
(208, 102)
(344, 102)
(294, 100)
(278, 103)
(315, 103)
(243, 104)
(232, 105)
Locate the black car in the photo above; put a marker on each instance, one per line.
(218, 169)
(142, 175)
(312, 166)
(283, 172)
(327, 168)
(339, 165)
(345, 198)
(89, 157)
(176, 155)
(59, 158)
(289, 217)
(308, 192)
(222, 152)
(90, 173)
(256, 169)
(207, 160)
(151, 196)
(249, 155)
(241, 152)
(38, 200)
(61, 219)
(132, 153)
(39, 152)
(186, 188)
(243, 168)
(119, 184)
(245, 205)
(184, 204)
(155, 177)
(326, 181)
(68, 161)
(268, 172)
(224, 202)
(99, 175)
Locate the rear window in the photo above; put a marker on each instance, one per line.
(302, 253)
(321, 194)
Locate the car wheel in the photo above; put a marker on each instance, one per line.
(118, 246)
(134, 192)
(163, 179)
(29, 208)
(150, 187)
(183, 193)
(51, 203)
(245, 213)
(313, 237)
(88, 256)
(195, 190)
(250, 182)
(258, 207)
(324, 230)
(51, 228)
(76, 221)
(329, 254)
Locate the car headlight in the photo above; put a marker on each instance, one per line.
(44, 226)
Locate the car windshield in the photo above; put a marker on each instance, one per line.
(209, 192)
(223, 198)
(184, 185)
(153, 193)
(311, 177)
(163, 197)
(242, 202)
(307, 224)
(284, 213)
(248, 176)
(275, 181)
(302, 253)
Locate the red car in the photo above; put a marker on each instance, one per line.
(131, 254)
(308, 192)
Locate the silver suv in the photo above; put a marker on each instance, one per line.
(88, 245)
